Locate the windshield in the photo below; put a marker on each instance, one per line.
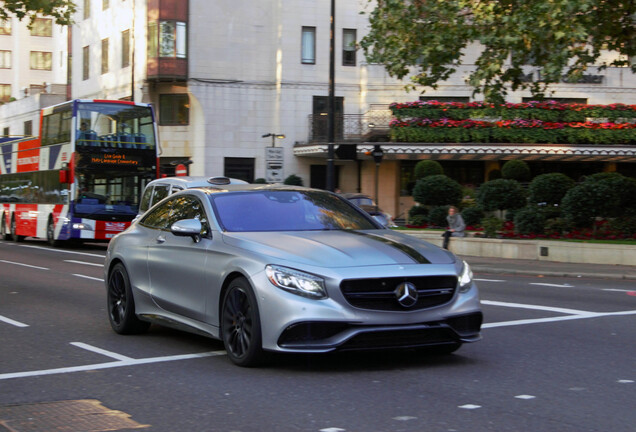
(108, 193)
(287, 211)
(115, 125)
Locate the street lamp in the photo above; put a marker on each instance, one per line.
(274, 136)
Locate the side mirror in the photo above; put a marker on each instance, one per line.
(187, 228)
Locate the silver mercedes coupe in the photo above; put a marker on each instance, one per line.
(286, 269)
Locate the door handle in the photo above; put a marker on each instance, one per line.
(161, 239)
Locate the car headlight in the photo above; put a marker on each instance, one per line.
(465, 278)
(296, 282)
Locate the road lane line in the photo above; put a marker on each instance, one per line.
(535, 307)
(24, 265)
(63, 251)
(84, 263)
(88, 277)
(554, 319)
(616, 290)
(110, 365)
(101, 351)
(489, 280)
(552, 285)
(12, 322)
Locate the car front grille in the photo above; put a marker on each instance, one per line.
(380, 293)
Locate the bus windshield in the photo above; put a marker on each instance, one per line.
(114, 125)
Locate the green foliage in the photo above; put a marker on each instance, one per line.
(588, 200)
(472, 216)
(418, 215)
(501, 194)
(494, 174)
(61, 10)
(437, 190)
(491, 226)
(625, 188)
(516, 170)
(260, 180)
(625, 224)
(549, 188)
(529, 220)
(425, 168)
(437, 216)
(555, 38)
(293, 180)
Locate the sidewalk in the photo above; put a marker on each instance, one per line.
(549, 268)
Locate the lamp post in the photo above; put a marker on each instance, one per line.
(332, 102)
(274, 137)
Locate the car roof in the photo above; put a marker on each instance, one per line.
(249, 187)
(196, 181)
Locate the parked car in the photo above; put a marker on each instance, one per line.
(366, 203)
(286, 269)
(158, 189)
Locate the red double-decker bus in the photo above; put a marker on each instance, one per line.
(82, 177)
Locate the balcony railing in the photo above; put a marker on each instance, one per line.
(371, 126)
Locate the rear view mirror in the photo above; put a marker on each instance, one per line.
(187, 228)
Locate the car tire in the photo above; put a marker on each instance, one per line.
(241, 325)
(121, 304)
(4, 232)
(50, 234)
(14, 236)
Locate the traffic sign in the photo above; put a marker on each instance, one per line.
(181, 170)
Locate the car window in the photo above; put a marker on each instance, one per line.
(160, 192)
(174, 210)
(159, 217)
(287, 211)
(145, 199)
(189, 207)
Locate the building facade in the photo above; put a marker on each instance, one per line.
(230, 79)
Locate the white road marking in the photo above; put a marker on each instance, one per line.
(616, 290)
(489, 280)
(88, 277)
(109, 365)
(625, 381)
(64, 251)
(101, 351)
(534, 307)
(84, 263)
(525, 397)
(24, 265)
(469, 406)
(552, 285)
(12, 322)
(554, 319)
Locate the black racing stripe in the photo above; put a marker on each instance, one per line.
(412, 253)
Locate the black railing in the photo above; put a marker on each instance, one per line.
(350, 127)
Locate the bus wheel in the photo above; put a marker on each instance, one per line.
(14, 236)
(3, 229)
(50, 234)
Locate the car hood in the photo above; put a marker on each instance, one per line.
(341, 248)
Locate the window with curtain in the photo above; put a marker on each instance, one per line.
(85, 62)
(174, 109)
(41, 60)
(42, 27)
(308, 45)
(104, 56)
(348, 47)
(125, 48)
(172, 39)
(5, 59)
(5, 95)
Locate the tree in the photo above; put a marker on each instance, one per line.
(437, 190)
(558, 37)
(501, 194)
(587, 201)
(61, 10)
(549, 188)
(516, 170)
(427, 167)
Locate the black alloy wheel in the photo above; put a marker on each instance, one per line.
(240, 324)
(121, 305)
